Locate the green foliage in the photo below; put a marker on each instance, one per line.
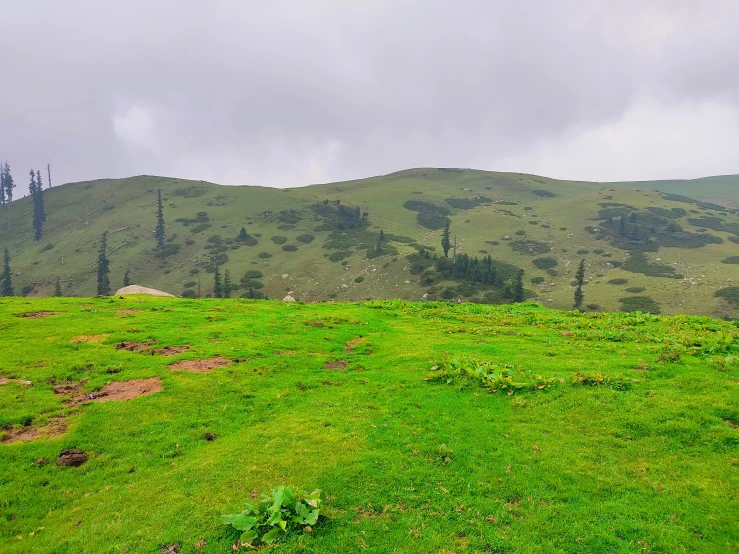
(431, 220)
(544, 263)
(425, 206)
(358, 279)
(583, 252)
(167, 250)
(730, 294)
(253, 274)
(639, 263)
(264, 255)
(289, 247)
(338, 256)
(468, 203)
(618, 281)
(279, 239)
(494, 377)
(190, 192)
(731, 260)
(635, 290)
(543, 193)
(538, 280)
(305, 238)
(276, 514)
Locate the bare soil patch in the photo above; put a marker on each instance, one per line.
(4, 380)
(350, 345)
(71, 457)
(54, 428)
(117, 391)
(335, 365)
(128, 312)
(201, 366)
(172, 350)
(36, 315)
(132, 346)
(89, 338)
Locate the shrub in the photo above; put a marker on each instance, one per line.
(431, 220)
(278, 239)
(643, 304)
(168, 250)
(190, 192)
(189, 241)
(47, 247)
(338, 256)
(538, 280)
(358, 279)
(306, 238)
(530, 247)
(188, 293)
(584, 252)
(289, 247)
(543, 193)
(618, 281)
(520, 232)
(425, 206)
(730, 294)
(635, 290)
(598, 251)
(544, 263)
(276, 514)
(533, 223)
(253, 274)
(264, 255)
(190, 284)
(731, 260)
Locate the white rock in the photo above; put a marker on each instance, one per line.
(285, 276)
(288, 298)
(135, 289)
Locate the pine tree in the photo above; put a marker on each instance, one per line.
(446, 242)
(580, 280)
(7, 287)
(127, 278)
(39, 215)
(226, 284)
(217, 286)
(378, 245)
(103, 267)
(9, 183)
(2, 185)
(242, 236)
(58, 287)
(518, 287)
(159, 230)
(622, 226)
(251, 294)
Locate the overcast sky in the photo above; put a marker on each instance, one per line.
(289, 93)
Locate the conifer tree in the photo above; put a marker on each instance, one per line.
(7, 285)
(9, 183)
(518, 287)
(39, 215)
(2, 185)
(580, 280)
(242, 236)
(217, 286)
(103, 267)
(127, 278)
(378, 245)
(58, 287)
(226, 284)
(622, 226)
(446, 242)
(159, 230)
(251, 294)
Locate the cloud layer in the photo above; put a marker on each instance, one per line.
(289, 93)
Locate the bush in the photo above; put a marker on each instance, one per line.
(530, 247)
(431, 220)
(730, 294)
(47, 247)
(264, 255)
(583, 252)
(520, 232)
(338, 256)
(543, 193)
(618, 281)
(278, 239)
(306, 238)
(537, 280)
(188, 293)
(358, 279)
(598, 251)
(190, 284)
(635, 290)
(276, 514)
(731, 260)
(168, 250)
(544, 263)
(189, 241)
(289, 247)
(642, 304)
(425, 206)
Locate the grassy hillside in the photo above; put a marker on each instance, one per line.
(673, 256)
(621, 435)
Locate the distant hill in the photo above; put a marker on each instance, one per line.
(676, 248)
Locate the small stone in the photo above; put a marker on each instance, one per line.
(42, 461)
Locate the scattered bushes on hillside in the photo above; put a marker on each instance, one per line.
(730, 294)
(643, 304)
(530, 247)
(544, 263)
(520, 233)
(188, 293)
(583, 252)
(638, 263)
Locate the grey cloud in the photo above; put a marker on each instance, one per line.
(288, 92)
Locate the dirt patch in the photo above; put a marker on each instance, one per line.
(54, 428)
(172, 350)
(89, 338)
(4, 380)
(132, 346)
(317, 323)
(732, 424)
(353, 343)
(127, 390)
(118, 391)
(36, 315)
(335, 365)
(71, 457)
(128, 312)
(201, 366)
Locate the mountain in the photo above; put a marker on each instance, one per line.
(677, 247)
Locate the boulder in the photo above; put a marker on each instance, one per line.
(288, 298)
(71, 457)
(135, 289)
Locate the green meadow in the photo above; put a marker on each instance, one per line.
(430, 427)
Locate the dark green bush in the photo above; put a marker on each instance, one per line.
(642, 304)
(289, 247)
(278, 239)
(305, 238)
(264, 255)
(618, 281)
(544, 263)
(538, 280)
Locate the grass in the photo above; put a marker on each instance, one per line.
(195, 212)
(333, 396)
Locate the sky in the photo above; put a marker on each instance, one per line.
(293, 92)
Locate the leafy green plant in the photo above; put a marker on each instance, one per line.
(276, 514)
(495, 378)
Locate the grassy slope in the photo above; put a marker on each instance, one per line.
(129, 203)
(571, 469)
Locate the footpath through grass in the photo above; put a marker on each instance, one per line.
(639, 454)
